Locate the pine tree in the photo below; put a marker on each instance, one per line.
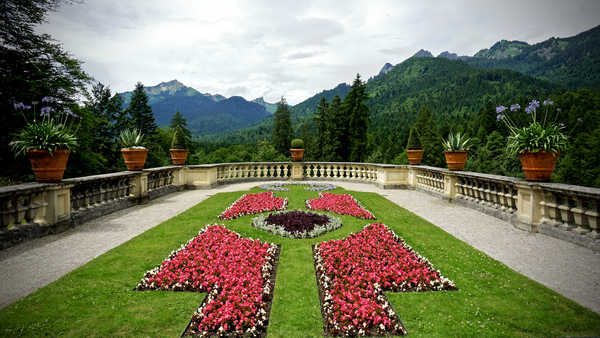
(357, 114)
(282, 128)
(140, 111)
(320, 121)
(430, 138)
(179, 122)
(141, 118)
(335, 131)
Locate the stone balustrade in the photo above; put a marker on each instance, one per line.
(342, 171)
(563, 211)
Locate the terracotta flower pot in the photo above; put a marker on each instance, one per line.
(415, 156)
(456, 159)
(538, 166)
(48, 168)
(178, 156)
(297, 154)
(135, 158)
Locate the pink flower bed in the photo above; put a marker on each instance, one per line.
(250, 204)
(237, 273)
(340, 204)
(353, 273)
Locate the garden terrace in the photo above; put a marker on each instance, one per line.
(139, 207)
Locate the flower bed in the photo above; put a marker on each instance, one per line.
(340, 204)
(237, 273)
(297, 224)
(352, 274)
(254, 203)
(280, 186)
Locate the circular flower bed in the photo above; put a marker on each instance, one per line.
(281, 186)
(297, 224)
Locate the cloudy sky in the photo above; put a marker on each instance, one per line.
(291, 48)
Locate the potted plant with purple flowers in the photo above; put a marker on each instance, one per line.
(47, 139)
(539, 143)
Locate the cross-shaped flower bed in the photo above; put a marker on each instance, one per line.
(343, 204)
(237, 273)
(250, 204)
(352, 274)
(297, 224)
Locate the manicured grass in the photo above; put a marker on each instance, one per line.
(97, 299)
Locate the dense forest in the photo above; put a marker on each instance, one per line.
(363, 122)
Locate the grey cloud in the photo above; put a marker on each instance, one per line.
(302, 55)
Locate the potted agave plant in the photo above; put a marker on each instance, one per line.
(178, 149)
(414, 150)
(539, 143)
(47, 140)
(134, 153)
(456, 150)
(297, 150)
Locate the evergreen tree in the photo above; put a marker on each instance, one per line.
(430, 138)
(282, 128)
(32, 66)
(335, 132)
(141, 118)
(179, 122)
(357, 114)
(320, 120)
(140, 111)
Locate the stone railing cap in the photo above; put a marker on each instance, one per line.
(571, 189)
(100, 177)
(31, 187)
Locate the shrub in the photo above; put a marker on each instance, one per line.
(413, 140)
(297, 143)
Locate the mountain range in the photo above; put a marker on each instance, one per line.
(552, 65)
(205, 113)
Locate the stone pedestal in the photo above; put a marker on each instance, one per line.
(297, 171)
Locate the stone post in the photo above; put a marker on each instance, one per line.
(412, 176)
(392, 177)
(200, 177)
(529, 209)
(179, 179)
(297, 171)
(58, 198)
(140, 187)
(450, 180)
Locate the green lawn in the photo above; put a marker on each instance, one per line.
(493, 300)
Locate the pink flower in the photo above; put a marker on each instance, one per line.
(340, 204)
(355, 271)
(254, 203)
(236, 272)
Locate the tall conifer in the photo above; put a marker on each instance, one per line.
(357, 114)
(282, 128)
(140, 111)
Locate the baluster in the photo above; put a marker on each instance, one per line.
(577, 212)
(564, 212)
(592, 217)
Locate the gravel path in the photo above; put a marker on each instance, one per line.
(571, 270)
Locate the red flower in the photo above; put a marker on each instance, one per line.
(340, 204)
(355, 271)
(236, 272)
(254, 203)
